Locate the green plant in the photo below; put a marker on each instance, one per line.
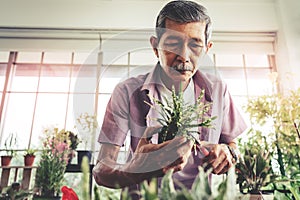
(53, 162)
(254, 170)
(85, 178)
(179, 118)
(200, 189)
(10, 143)
(279, 115)
(30, 152)
(13, 192)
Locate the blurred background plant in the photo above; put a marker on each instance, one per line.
(201, 190)
(73, 138)
(53, 162)
(14, 192)
(254, 170)
(87, 125)
(10, 144)
(275, 124)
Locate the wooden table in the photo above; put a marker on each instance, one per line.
(5, 174)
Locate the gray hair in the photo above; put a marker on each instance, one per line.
(183, 12)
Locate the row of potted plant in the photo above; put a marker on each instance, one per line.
(271, 152)
(10, 152)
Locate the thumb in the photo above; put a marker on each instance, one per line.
(148, 133)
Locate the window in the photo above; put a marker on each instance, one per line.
(42, 89)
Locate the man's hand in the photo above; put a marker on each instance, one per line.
(172, 154)
(217, 157)
(148, 161)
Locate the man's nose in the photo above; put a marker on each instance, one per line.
(184, 54)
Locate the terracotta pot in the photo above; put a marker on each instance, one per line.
(5, 160)
(29, 160)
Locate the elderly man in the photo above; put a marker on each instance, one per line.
(183, 30)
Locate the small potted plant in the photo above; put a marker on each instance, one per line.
(52, 165)
(9, 144)
(180, 118)
(254, 172)
(29, 157)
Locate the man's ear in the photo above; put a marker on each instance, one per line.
(208, 46)
(154, 44)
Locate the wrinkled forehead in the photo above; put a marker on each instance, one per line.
(194, 30)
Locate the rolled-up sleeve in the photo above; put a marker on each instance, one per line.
(115, 124)
(233, 123)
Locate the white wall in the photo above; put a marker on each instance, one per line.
(230, 15)
(288, 43)
(243, 15)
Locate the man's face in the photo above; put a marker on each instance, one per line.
(180, 48)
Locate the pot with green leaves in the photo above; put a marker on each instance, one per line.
(10, 145)
(254, 172)
(29, 157)
(179, 118)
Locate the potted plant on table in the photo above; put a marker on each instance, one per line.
(254, 173)
(52, 165)
(29, 157)
(9, 144)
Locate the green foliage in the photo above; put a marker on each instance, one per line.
(96, 193)
(85, 178)
(254, 170)
(53, 162)
(50, 172)
(179, 118)
(280, 115)
(13, 192)
(10, 143)
(200, 189)
(167, 186)
(30, 152)
(149, 190)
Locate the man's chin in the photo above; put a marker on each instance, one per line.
(182, 76)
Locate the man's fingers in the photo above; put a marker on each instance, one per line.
(149, 132)
(203, 151)
(176, 143)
